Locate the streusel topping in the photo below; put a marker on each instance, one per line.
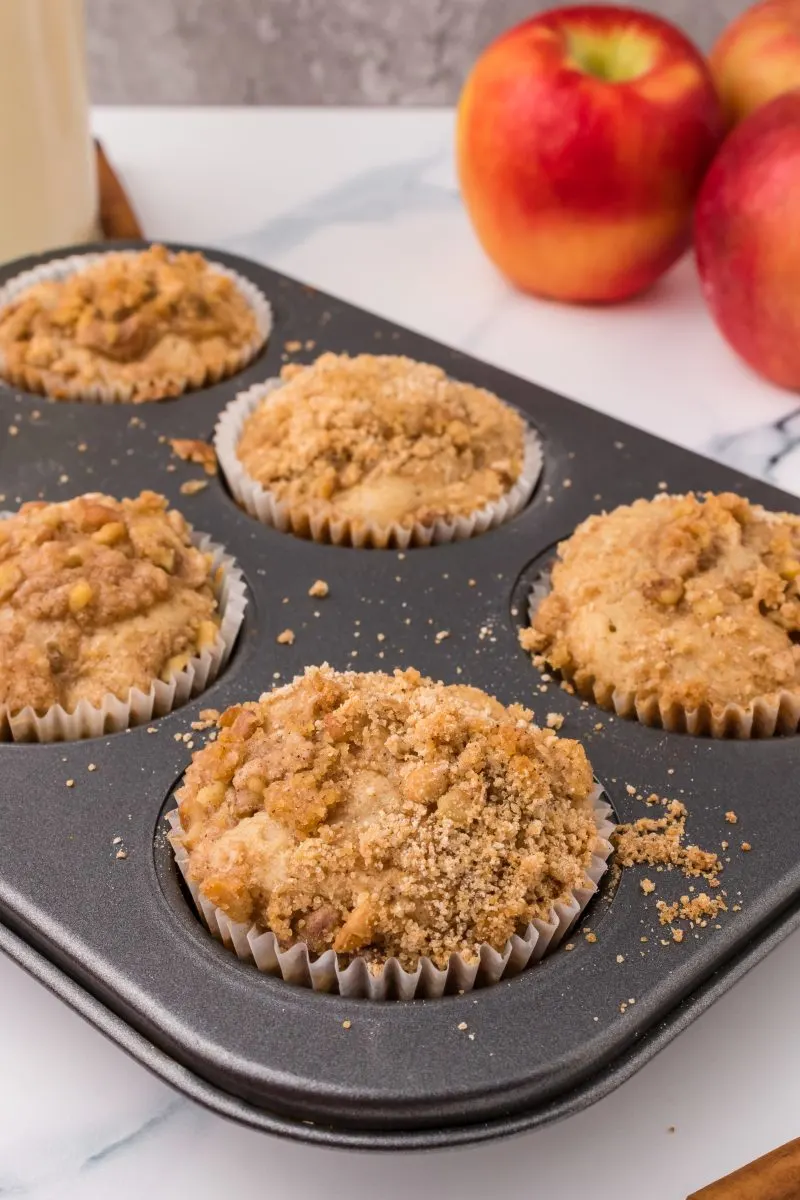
(98, 595)
(693, 599)
(387, 815)
(382, 438)
(143, 325)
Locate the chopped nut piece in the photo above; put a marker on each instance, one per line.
(192, 486)
(319, 588)
(196, 451)
(731, 818)
(286, 638)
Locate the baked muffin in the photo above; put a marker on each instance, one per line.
(683, 611)
(98, 596)
(386, 816)
(377, 450)
(130, 326)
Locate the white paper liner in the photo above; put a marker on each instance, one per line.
(359, 979)
(263, 504)
(767, 716)
(115, 714)
(60, 268)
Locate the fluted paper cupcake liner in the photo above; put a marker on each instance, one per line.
(765, 717)
(361, 979)
(260, 502)
(60, 268)
(115, 714)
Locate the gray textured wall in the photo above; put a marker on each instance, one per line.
(314, 51)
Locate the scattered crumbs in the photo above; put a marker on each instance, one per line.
(92, 767)
(736, 908)
(724, 844)
(122, 854)
(35, 415)
(662, 486)
(570, 946)
(63, 479)
(644, 939)
(381, 637)
(471, 583)
(152, 729)
(310, 343)
(13, 430)
(618, 445)
(471, 1037)
(731, 817)
(196, 451)
(670, 1129)
(658, 841)
(623, 1008)
(647, 886)
(631, 999)
(555, 720)
(285, 600)
(346, 1024)
(746, 846)
(70, 783)
(462, 1025)
(591, 937)
(116, 841)
(441, 635)
(319, 588)
(620, 958)
(598, 726)
(286, 638)
(170, 467)
(670, 770)
(630, 789)
(567, 483)
(178, 737)
(677, 935)
(192, 486)
(292, 346)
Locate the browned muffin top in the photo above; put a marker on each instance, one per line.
(693, 599)
(143, 326)
(382, 438)
(387, 815)
(98, 595)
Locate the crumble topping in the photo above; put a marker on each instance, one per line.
(387, 816)
(141, 325)
(382, 438)
(691, 599)
(98, 595)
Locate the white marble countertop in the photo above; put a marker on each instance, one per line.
(365, 205)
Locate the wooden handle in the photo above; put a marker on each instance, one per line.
(117, 218)
(776, 1176)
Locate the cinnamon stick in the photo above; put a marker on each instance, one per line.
(776, 1176)
(117, 218)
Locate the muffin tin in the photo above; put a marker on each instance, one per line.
(116, 937)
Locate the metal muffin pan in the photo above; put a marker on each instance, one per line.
(117, 938)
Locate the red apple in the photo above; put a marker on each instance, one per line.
(583, 137)
(758, 57)
(747, 238)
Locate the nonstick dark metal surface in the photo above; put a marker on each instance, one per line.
(117, 938)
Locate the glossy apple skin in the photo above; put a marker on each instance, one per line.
(758, 57)
(581, 189)
(747, 240)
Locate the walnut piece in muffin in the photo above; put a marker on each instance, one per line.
(98, 595)
(138, 326)
(381, 439)
(386, 815)
(690, 599)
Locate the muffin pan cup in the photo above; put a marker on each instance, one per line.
(56, 269)
(116, 713)
(262, 503)
(118, 938)
(360, 980)
(766, 717)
